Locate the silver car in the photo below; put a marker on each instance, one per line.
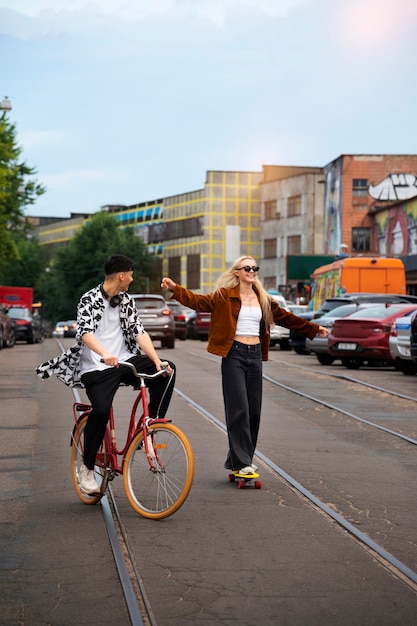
(399, 345)
(318, 345)
(157, 318)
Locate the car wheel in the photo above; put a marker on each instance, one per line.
(12, 340)
(300, 350)
(352, 363)
(325, 359)
(169, 343)
(285, 345)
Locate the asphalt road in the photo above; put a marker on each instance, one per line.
(228, 556)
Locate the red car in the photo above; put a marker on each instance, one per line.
(364, 335)
(202, 325)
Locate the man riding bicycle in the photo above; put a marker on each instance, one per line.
(109, 330)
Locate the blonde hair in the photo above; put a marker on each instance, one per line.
(229, 279)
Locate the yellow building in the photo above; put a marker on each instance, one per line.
(196, 234)
(207, 229)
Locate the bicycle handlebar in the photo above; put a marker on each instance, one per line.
(164, 364)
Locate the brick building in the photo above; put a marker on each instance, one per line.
(353, 186)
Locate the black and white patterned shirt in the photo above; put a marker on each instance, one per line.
(90, 309)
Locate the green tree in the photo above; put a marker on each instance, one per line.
(17, 191)
(79, 265)
(26, 269)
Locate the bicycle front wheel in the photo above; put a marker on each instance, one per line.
(159, 491)
(77, 459)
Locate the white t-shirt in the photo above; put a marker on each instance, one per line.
(110, 335)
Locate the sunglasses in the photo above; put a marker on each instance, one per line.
(248, 268)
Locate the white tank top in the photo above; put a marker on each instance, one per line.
(248, 321)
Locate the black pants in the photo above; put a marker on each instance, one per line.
(101, 387)
(242, 393)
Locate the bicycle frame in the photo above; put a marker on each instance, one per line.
(156, 460)
(108, 454)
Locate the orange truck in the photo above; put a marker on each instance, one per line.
(357, 275)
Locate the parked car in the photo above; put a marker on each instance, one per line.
(184, 319)
(400, 344)
(7, 334)
(332, 303)
(202, 325)
(298, 341)
(27, 327)
(364, 335)
(157, 318)
(58, 329)
(297, 308)
(413, 338)
(279, 334)
(70, 328)
(320, 345)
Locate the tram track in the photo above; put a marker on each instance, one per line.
(384, 556)
(139, 608)
(334, 407)
(399, 569)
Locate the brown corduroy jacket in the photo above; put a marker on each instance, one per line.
(224, 306)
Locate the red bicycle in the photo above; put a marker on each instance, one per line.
(156, 461)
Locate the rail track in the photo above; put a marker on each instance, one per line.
(348, 398)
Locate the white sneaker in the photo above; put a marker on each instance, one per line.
(87, 482)
(254, 468)
(246, 470)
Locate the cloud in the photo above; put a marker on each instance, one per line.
(40, 18)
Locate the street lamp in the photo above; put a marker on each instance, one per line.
(5, 104)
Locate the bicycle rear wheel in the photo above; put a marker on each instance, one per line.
(159, 492)
(77, 459)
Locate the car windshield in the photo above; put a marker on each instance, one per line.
(375, 312)
(18, 313)
(149, 303)
(341, 311)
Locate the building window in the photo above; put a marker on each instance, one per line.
(359, 187)
(361, 239)
(270, 248)
(174, 268)
(294, 206)
(270, 209)
(294, 244)
(193, 271)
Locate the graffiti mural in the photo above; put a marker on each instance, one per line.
(395, 229)
(333, 207)
(395, 187)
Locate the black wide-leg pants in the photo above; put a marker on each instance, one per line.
(101, 387)
(242, 393)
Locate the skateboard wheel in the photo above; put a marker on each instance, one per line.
(232, 478)
(242, 484)
(258, 484)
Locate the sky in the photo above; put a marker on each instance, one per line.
(127, 101)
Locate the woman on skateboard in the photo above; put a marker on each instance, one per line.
(242, 313)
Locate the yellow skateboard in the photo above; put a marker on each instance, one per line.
(245, 480)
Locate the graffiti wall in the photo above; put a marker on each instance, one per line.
(395, 229)
(333, 207)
